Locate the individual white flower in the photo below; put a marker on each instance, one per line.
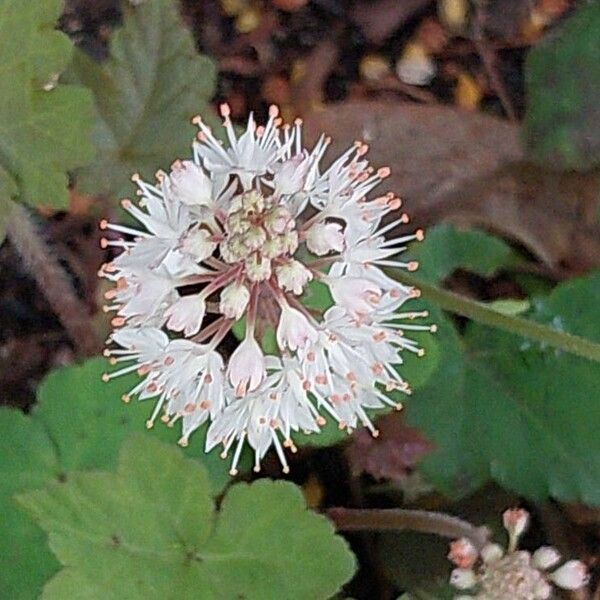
(515, 574)
(323, 238)
(358, 296)
(294, 330)
(292, 276)
(141, 298)
(371, 248)
(249, 156)
(198, 243)
(190, 185)
(234, 300)
(236, 234)
(290, 175)
(186, 314)
(246, 369)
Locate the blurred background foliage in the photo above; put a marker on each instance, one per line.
(488, 114)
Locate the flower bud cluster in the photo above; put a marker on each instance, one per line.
(493, 574)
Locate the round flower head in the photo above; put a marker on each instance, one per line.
(493, 574)
(241, 231)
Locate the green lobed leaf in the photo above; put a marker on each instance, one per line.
(446, 249)
(562, 122)
(79, 422)
(150, 531)
(442, 407)
(95, 430)
(504, 408)
(442, 410)
(537, 430)
(145, 94)
(27, 461)
(44, 127)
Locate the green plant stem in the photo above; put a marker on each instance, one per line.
(399, 519)
(481, 313)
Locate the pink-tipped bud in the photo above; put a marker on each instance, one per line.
(515, 521)
(463, 553)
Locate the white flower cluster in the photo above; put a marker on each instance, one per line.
(240, 231)
(516, 574)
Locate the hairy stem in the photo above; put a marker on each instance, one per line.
(51, 280)
(399, 519)
(481, 313)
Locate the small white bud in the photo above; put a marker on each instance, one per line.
(491, 553)
(546, 557)
(258, 268)
(542, 590)
(234, 300)
(289, 242)
(254, 238)
(463, 579)
(279, 220)
(571, 576)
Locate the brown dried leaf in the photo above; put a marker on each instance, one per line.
(391, 455)
(378, 20)
(451, 165)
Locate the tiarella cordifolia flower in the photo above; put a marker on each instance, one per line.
(493, 574)
(240, 231)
